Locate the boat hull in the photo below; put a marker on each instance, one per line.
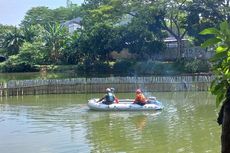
(124, 105)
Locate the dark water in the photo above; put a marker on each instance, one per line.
(64, 124)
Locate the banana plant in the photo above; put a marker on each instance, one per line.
(220, 42)
(220, 86)
(54, 36)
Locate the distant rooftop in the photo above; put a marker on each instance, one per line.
(73, 24)
(73, 21)
(172, 39)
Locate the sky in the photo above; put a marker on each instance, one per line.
(12, 12)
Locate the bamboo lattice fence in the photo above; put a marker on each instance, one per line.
(97, 85)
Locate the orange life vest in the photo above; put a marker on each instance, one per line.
(140, 98)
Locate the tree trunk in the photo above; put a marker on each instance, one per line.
(179, 47)
(225, 137)
(224, 119)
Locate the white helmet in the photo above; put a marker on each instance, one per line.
(112, 89)
(108, 90)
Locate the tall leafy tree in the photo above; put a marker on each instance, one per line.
(100, 33)
(72, 54)
(54, 36)
(13, 41)
(31, 32)
(132, 21)
(203, 14)
(38, 15)
(221, 84)
(172, 16)
(3, 30)
(62, 14)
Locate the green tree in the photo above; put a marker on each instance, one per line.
(31, 32)
(38, 15)
(71, 53)
(100, 34)
(54, 36)
(43, 15)
(221, 84)
(203, 14)
(3, 30)
(132, 25)
(62, 14)
(12, 41)
(141, 38)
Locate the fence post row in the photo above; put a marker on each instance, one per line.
(97, 85)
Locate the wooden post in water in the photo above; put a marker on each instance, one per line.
(98, 85)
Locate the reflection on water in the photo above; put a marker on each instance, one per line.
(63, 123)
(140, 122)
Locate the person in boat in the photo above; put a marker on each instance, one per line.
(108, 98)
(140, 98)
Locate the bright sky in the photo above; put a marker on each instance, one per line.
(13, 11)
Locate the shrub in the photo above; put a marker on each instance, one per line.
(91, 69)
(123, 67)
(155, 68)
(193, 65)
(13, 64)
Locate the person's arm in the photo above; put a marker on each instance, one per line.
(136, 99)
(146, 99)
(101, 99)
(116, 99)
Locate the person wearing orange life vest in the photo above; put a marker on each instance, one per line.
(140, 98)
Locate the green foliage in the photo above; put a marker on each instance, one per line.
(54, 36)
(193, 65)
(12, 41)
(92, 69)
(38, 15)
(139, 40)
(25, 60)
(31, 32)
(71, 53)
(14, 64)
(3, 30)
(221, 60)
(205, 14)
(32, 53)
(111, 25)
(99, 41)
(123, 67)
(44, 15)
(155, 68)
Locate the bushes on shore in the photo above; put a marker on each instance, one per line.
(123, 67)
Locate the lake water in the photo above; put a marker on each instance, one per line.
(64, 124)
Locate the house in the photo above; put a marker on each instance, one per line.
(73, 24)
(171, 42)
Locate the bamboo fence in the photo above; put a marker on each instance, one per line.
(97, 85)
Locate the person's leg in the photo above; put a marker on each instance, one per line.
(107, 102)
(140, 103)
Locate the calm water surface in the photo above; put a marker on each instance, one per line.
(64, 124)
